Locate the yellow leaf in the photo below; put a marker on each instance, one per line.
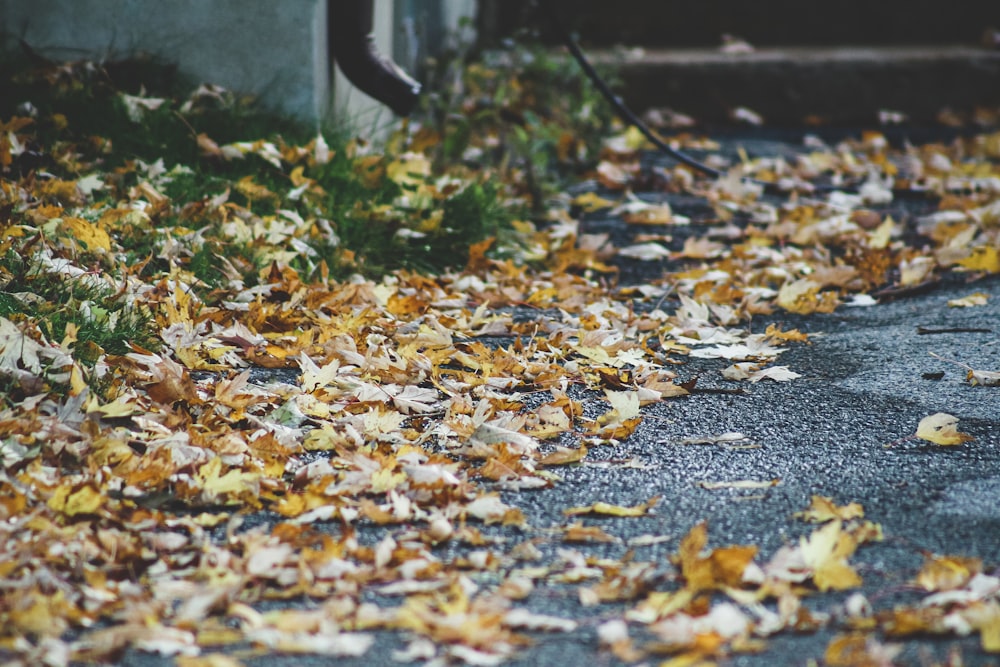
(232, 486)
(881, 235)
(775, 332)
(823, 509)
(85, 500)
(859, 650)
(983, 258)
(254, 191)
(614, 510)
(941, 429)
(123, 406)
(721, 568)
(803, 297)
(385, 479)
(989, 629)
(411, 169)
(591, 202)
(975, 299)
(826, 551)
(89, 235)
(945, 573)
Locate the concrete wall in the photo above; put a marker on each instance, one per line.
(276, 49)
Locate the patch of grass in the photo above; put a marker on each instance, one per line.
(104, 320)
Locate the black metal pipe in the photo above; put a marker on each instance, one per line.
(353, 47)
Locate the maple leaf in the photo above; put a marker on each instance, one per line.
(232, 486)
(20, 353)
(490, 509)
(88, 234)
(822, 509)
(564, 456)
(722, 567)
(85, 499)
(825, 553)
(489, 433)
(983, 258)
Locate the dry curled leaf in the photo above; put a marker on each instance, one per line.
(607, 509)
(941, 429)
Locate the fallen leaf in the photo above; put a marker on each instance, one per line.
(860, 650)
(941, 429)
(590, 202)
(983, 258)
(943, 573)
(974, 299)
(577, 532)
(776, 373)
(646, 252)
(607, 509)
(739, 484)
(822, 509)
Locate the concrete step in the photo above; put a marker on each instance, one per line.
(839, 85)
(764, 23)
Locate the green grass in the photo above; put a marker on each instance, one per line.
(104, 320)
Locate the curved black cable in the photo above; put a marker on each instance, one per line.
(620, 107)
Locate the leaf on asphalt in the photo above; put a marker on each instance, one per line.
(591, 202)
(974, 299)
(561, 456)
(642, 509)
(983, 378)
(776, 373)
(974, 377)
(719, 568)
(822, 509)
(945, 573)
(722, 438)
(739, 484)
(646, 252)
(941, 429)
(854, 649)
(635, 211)
(522, 618)
(577, 532)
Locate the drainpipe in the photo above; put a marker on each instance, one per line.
(352, 46)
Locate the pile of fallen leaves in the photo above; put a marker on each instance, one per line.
(156, 491)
